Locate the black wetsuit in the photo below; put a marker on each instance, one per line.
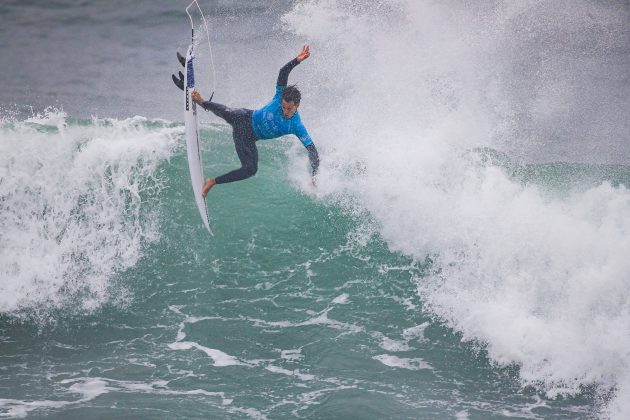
(245, 138)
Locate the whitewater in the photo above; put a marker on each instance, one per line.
(463, 255)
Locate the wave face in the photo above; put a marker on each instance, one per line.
(79, 201)
(100, 235)
(529, 261)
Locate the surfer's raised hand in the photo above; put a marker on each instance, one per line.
(304, 54)
(196, 97)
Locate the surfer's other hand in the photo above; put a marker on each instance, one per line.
(196, 97)
(304, 54)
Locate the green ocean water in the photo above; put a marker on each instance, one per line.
(296, 308)
(454, 262)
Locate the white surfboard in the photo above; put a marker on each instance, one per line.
(195, 164)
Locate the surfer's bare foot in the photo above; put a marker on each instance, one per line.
(206, 187)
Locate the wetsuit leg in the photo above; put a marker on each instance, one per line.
(245, 144)
(222, 111)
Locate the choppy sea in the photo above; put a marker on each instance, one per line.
(464, 254)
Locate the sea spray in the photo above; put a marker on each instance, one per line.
(79, 200)
(540, 279)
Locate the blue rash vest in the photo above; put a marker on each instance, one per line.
(269, 121)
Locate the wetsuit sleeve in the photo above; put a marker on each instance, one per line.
(305, 138)
(301, 133)
(207, 105)
(313, 157)
(283, 76)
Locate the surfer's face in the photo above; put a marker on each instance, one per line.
(288, 108)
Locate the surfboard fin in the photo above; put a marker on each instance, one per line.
(179, 82)
(181, 59)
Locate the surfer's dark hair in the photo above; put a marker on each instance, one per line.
(292, 94)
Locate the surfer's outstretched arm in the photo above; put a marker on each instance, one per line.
(283, 76)
(302, 135)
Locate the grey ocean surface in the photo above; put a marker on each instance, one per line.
(502, 294)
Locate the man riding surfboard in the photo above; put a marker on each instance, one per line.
(278, 118)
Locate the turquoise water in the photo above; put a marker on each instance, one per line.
(463, 256)
(296, 308)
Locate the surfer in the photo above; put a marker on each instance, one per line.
(278, 118)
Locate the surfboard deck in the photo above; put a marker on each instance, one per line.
(195, 163)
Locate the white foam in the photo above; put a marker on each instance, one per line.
(322, 319)
(161, 388)
(318, 318)
(89, 388)
(542, 280)
(76, 208)
(296, 373)
(251, 413)
(402, 362)
(21, 408)
(342, 299)
(462, 415)
(409, 334)
(291, 355)
(220, 358)
(416, 332)
(51, 117)
(389, 344)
